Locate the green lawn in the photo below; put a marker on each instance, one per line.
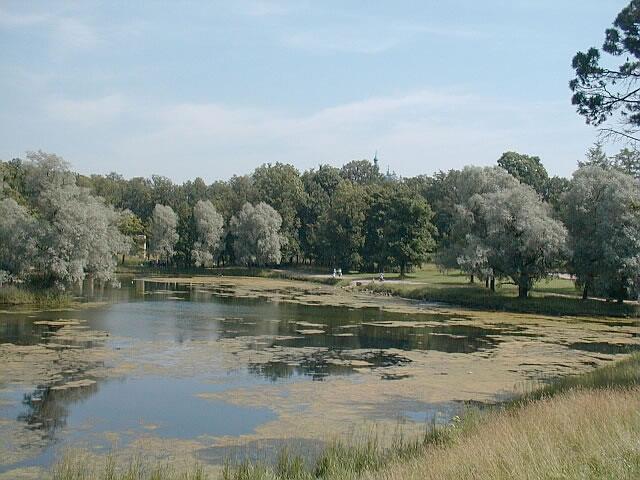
(555, 296)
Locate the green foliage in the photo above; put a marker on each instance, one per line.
(163, 232)
(341, 232)
(596, 157)
(627, 161)
(602, 213)
(527, 169)
(346, 218)
(209, 231)
(517, 236)
(60, 232)
(130, 224)
(256, 233)
(453, 196)
(280, 187)
(399, 232)
(320, 187)
(362, 172)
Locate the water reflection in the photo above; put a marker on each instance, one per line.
(47, 408)
(320, 364)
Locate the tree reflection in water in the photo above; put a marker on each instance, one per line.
(47, 409)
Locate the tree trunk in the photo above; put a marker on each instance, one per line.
(472, 279)
(493, 284)
(585, 291)
(523, 291)
(486, 282)
(403, 268)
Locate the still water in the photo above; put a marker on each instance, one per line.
(187, 364)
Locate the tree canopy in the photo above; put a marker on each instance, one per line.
(602, 214)
(257, 238)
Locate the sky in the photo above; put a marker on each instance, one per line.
(212, 89)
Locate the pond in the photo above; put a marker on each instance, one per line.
(215, 373)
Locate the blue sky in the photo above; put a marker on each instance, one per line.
(212, 89)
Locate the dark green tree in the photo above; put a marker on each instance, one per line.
(320, 186)
(341, 227)
(408, 231)
(526, 168)
(627, 161)
(362, 172)
(596, 157)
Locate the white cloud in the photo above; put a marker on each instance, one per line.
(86, 112)
(20, 20)
(72, 34)
(368, 36)
(263, 8)
(417, 132)
(67, 34)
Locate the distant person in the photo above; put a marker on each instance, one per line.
(381, 278)
(340, 272)
(334, 273)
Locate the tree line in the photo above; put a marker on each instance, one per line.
(510, 222)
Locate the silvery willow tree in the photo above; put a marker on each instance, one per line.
(515, 236)
(458, 190)
(77, 235)
(209, 232)
(257, 239)
(63, 233)
(602, 213)
(17, 240)
(164, 237)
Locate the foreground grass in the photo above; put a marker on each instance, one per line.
(583, 426)
(76, 465)
(45, 298)
(577, 435)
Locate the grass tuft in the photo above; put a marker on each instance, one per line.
(47, 298)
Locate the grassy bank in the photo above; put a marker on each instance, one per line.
(583, 426)
(280, 273)
(471, 296)
(46, 298)
(579, 434)
(556, 296)
(553, 297)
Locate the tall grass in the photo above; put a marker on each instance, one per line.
(13, 295)
(76, 465)
(580, 434)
